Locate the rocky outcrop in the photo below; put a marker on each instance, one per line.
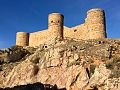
(74, 65)
(11, 57)
(12, 54)
(99, 77)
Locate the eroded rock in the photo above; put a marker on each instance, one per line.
(74, 65)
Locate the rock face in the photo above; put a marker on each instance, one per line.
(69, 64)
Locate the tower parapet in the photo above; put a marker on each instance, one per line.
(55, 25)
(96, 23)
(22, 38)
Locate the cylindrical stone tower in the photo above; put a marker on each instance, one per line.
(96, 23)
(22, 39)
(55, 25)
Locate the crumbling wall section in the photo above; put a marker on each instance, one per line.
(77, 32)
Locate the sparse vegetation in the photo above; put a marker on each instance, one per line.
(74, 63)
(35, 61)
(114, 66)
(92, 69)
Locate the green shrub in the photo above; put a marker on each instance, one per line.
(109, 66)
(92, 69)
(35, 61)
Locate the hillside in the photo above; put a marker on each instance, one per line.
(68, 64)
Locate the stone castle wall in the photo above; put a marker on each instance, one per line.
(96, 23)
(93, 28)
(55, 25)
(22, 39)
(38, 38)
(77, 32)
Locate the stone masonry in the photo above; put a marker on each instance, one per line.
(93, 28)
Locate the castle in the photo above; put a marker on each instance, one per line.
(93, 28)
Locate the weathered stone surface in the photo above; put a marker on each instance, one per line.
(69, 66)
(98, 78)
(73, 78)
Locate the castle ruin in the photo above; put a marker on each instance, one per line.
(93, 28)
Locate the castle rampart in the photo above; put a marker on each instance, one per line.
(40, 37)
(93, 28)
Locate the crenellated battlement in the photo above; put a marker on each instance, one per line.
(93, 28)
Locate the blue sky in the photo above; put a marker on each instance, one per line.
(31, 15)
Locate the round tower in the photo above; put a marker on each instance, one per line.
(96, 23)
(55, 25)
(22, 39)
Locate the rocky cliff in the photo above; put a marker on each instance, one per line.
(69, 64)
